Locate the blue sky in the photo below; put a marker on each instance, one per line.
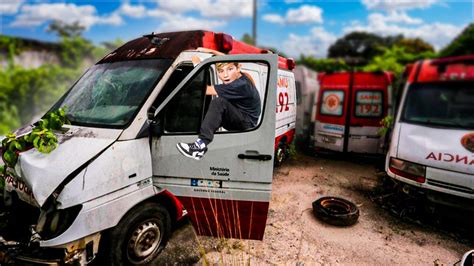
(292, 26)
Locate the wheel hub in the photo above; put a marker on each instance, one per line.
(144, 240)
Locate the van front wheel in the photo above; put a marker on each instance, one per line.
(139, 237)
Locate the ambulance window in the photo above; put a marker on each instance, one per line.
(176, 77)
(183, 112)
(368, 104)
(243, 90)
(332, 102)
(444, 104)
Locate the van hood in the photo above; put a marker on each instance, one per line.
(43, 173)
(442, 148)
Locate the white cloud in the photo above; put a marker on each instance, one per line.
(137, 11)
(210, 8)
(178, 22)
(302, 15)
(438, 34)
(274, 18)
(10, 7)
(389, 5)
(394, 17)
(316, 43)
(86, 15)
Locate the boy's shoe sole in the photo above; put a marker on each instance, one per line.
(183, 152)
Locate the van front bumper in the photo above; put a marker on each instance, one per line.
(79, 252)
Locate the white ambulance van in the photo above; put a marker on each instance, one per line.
(307, 89)
(432, 144)
(116, 183)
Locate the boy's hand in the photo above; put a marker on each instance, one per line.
(196, 60)
(210, 90)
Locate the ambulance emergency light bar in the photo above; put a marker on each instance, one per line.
(444, 69)
(225, 43)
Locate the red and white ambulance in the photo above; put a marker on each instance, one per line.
(432, 145)
(116, 184)
(349, 108)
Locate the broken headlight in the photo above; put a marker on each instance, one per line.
(52, 224)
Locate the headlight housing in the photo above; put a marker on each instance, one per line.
(409, 170)
(52, 224)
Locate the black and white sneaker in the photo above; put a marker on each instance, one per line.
(194, 150)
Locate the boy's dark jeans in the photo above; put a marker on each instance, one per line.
(222, 113)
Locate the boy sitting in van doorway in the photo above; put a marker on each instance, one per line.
(237, 107)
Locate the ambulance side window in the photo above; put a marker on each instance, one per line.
(332, 102)
(184, 113)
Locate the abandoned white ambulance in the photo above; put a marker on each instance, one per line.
(116, 183)
(432, 147)
(307, 90)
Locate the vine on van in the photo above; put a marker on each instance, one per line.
(386, 123)
(42, 137)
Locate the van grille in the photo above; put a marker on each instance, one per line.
(450, 186)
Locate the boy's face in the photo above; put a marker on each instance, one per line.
(228, 72)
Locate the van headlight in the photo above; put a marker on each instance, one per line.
(412, 171)
(57, 222)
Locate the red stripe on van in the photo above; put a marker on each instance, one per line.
(242, 219)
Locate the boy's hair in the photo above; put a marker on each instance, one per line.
(221, 65)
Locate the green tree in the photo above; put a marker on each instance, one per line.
(323, 65)
(25, 93)
(74, 48)
(415, 45)
(248, 39)
(65, 30)
(395, 59)
(358, 48)
(463, 44)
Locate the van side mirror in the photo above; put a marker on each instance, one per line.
(156, 126)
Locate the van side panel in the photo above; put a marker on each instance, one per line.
(285, 108)
(239, 219)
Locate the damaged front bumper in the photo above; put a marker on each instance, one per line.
(79, 252)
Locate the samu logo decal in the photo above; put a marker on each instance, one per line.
(467, 142)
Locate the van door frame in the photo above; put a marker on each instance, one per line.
(245, 158)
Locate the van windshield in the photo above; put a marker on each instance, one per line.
(441, 104)
(110, 94)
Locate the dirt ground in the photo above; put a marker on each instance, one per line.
(294, 236)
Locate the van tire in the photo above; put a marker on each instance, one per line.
(280, 154)
(336, 211)
(146, 227)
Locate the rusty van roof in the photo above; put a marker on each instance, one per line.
(170, 44)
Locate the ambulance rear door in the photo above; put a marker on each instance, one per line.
(369, 104)
(332, 110)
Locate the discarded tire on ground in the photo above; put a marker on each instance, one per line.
(336, 211)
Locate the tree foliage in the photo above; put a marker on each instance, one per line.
(358, 48)
(29, 92)
(395, 58)
(461, 45)
(323, 65)
(415, 45)
(65, 30)
(248, 39)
